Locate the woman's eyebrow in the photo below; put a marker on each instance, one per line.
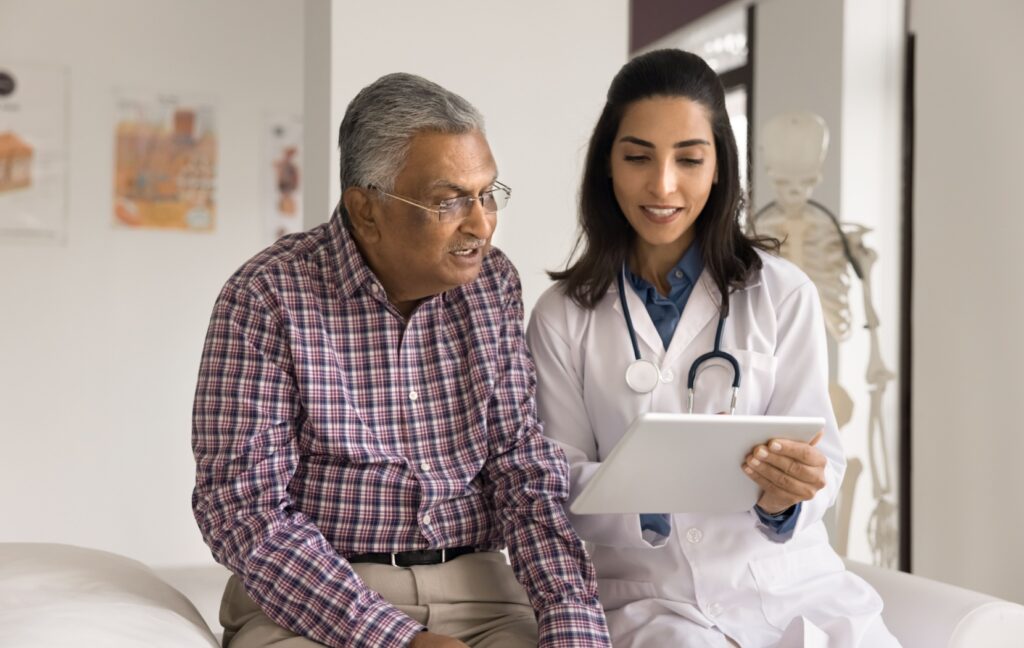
(683, 144)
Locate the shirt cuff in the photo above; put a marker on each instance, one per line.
(384, 625)
(573, 625)
(780, 526)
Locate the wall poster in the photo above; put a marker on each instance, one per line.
(281, 176)
(33, 151)
(165, 166)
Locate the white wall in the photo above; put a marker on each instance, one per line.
(968, 487)
(798, 65)
(537, 70)
(871, 194)
(100, 338)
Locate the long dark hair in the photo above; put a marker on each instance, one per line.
(606, 237)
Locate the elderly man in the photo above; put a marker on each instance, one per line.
(364, 427)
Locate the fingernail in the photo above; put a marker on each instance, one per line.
(775, 446)
(754, 462)
(761, 452)
(747, 470)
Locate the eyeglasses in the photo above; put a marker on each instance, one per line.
(457, 209)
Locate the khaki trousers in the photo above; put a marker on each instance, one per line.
(474, 598)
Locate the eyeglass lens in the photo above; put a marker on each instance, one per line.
(492, 201)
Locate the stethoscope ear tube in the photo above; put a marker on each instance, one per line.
(629, 320)
(691, 378)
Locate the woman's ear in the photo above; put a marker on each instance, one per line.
(362, 212)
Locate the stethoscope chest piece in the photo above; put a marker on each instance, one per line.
(642, 376)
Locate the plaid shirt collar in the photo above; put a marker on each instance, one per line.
(351, 273)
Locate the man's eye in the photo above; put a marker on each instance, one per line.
(448, 204)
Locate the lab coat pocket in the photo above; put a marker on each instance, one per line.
(757, 383)
(787, 582)
(616, 592)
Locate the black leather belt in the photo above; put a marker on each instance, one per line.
(410, 558)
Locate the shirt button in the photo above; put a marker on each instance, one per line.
(714, 610)
(374, 288)
(413, 395)
(667, 376)
(426, 519)
(679, 274)
(425, 467)
(694, 535)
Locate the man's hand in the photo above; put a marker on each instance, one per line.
(787, 471)
(431, 640)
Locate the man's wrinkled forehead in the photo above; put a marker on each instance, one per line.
(460, 162)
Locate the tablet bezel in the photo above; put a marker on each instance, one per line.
(662, 465)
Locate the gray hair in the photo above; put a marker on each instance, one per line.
(382, 119)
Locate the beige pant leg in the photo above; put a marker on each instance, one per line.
(477, 600)
(487, 625)
(246, 626)
(474, 598)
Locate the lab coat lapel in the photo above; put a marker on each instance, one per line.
(646, 334)
(701, 309)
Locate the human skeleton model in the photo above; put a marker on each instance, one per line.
(793, 148)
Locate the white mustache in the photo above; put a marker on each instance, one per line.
(467, 245)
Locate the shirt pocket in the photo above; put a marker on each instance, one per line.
(787, 582)
(713, 386)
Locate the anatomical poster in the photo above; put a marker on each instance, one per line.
(165, 163)
(281, 176)
(33, 151)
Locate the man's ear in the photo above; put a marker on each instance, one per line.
(363, 212)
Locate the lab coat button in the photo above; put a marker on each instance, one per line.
(714, 610)
(694, 535)
(667, 376)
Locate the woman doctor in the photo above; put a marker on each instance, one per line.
(660, 241)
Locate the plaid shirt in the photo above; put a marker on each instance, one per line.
(326, 426)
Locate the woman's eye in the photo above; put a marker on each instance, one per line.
(635, 158)
(690, 161)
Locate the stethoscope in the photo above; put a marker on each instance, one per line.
(642, 376)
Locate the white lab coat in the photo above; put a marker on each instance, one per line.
(715, 575)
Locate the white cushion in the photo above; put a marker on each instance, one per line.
(923, 613)
(58, 595)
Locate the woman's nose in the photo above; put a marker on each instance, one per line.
(665, 180)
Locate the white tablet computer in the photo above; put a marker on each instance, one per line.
(686, 463)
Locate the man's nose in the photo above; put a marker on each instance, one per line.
(478, 222)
